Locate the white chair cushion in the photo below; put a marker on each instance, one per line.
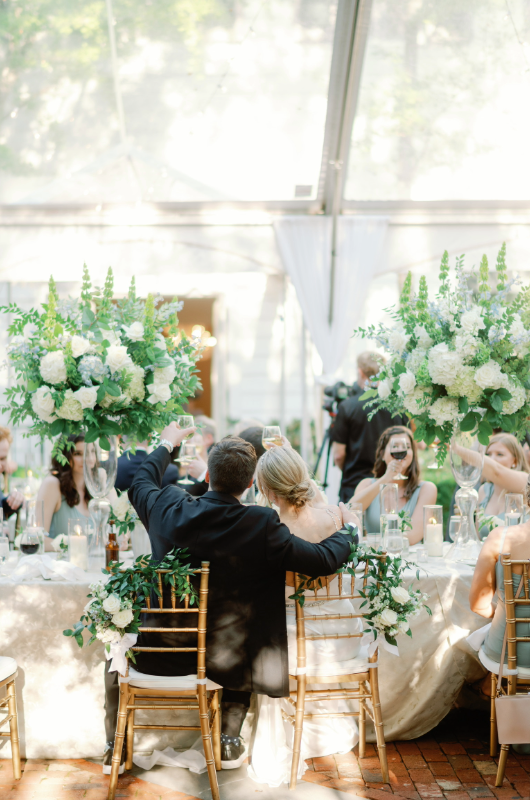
(494, 666)
(332, 668)
(143, 681)
(8, 666)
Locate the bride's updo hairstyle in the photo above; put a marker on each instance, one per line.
(282, 471)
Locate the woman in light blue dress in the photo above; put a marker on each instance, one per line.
(64, 493)
(505, 470)
(413, 493)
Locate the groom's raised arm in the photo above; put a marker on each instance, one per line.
(289, 553)
(146, 486)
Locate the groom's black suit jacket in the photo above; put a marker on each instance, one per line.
(249, 551)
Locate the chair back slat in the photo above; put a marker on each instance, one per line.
(185, 608)
(511, 604)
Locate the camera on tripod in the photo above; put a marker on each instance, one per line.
(335, 395)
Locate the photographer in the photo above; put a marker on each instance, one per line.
(353, 435)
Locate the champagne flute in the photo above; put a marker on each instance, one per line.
(185, 421)
(399, 448)
(271, 436)
(188, 452)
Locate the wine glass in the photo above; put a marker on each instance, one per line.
(185, 421)
(188, 452)
(29, 543)
(399, 447)
(271, 436)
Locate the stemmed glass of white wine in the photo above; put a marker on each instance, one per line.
(271, 436)
(188, 452)
(185, 421)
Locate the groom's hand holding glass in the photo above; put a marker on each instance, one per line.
(175, 435)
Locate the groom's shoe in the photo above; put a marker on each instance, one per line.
(107, 759)
(233, 752)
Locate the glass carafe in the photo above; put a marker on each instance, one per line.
(99, 467)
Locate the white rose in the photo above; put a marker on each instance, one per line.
(165, 374)
(472, 321)
(112, 604)
(43, 405)
(397, 340)
(118, 357)
(71, 407)
(399, 595)
(80, 346)
(407, 382)
(120, 507)
(388, 617)
(160, 393)
(424, 340)
(62, 538)
(123, 618)
(445, 409)
(489, 375)
(443, 364)
(403, 626)
(134, 332)
(52, 367)
(111, 336)
(384, 389)
(87, 396)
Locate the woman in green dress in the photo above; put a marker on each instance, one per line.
(64, 492)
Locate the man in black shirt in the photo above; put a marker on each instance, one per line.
(355, 437)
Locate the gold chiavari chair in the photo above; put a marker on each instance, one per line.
(364, 674)
(514, 677)
(138, 693)
(8, 675)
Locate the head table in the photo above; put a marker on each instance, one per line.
(60, 686)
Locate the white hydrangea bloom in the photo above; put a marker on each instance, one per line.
(443, 364)
(43, 405)
(108, 636)
(445, 409)
(52, 367)
(136, 388)
(424, 340)
(518, 398)
(466, 345)
(71, 407)
(416, 402)
(397, 340)
(416, 359)
(489, 375)
(472, 321)
(464, 385)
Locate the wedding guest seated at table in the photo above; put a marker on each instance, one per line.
(64, 492)
(413, 493)
(283, 479)
(249, 551)
(488, 582)
(13, 501)
(505, 470)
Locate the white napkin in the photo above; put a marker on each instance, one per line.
(42, 566)
(117, 653)
(191, 759)
(476, 638)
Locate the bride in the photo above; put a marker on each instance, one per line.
(284, 481)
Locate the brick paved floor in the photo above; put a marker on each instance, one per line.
(451, 762)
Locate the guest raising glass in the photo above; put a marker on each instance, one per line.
(413, 493)
(505, 471)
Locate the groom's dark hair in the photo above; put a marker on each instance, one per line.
(231, 464)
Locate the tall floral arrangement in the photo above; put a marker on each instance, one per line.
(462, 357)
(95, 364)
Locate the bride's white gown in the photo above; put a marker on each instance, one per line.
(271, 754)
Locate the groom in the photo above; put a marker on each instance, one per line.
(249, 551)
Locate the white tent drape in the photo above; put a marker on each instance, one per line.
(305, 248)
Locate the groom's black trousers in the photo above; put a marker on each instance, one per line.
(234, 707)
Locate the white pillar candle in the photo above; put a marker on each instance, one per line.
(434, 537)
(78, 549)
(513, 518)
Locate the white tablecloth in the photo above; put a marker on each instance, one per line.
(419, 688)
(60, 687)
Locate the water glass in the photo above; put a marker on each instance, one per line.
(454, 527)
(513, 508)
(394, 535)
(4, 549)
